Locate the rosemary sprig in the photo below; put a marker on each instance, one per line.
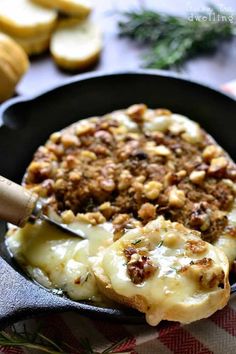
(173, 39)
(38, 341)
(22, 340)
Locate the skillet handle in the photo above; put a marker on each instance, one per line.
(20, 298)
(16, 203)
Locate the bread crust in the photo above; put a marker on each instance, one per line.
(80, 8)
(182, 312)
(137, 302)
(13, 64)
(34, 45)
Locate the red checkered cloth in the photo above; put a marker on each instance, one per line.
(215, 335)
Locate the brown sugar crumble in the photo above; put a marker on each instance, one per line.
(130, 166)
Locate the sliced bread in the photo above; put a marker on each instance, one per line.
(23, 18)
(76, 45)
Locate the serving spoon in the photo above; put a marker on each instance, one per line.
(19, 206)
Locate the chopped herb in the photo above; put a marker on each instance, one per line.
(160, 243)
(176, 269)
(83, 279)
(37, 341)
(136, 242)
(87, 276)
(57, 292)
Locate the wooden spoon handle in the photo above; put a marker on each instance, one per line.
(16, 203)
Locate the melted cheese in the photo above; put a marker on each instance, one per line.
(176, 123)
(57, 260)
(227, 242)
(125, 121)
(168, 287)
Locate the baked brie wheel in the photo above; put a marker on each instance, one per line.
(134, 169)
(166, 271)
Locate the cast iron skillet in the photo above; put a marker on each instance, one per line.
(27, 123)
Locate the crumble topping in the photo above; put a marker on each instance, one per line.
(139, 266)
(208, 274)
(130, 166)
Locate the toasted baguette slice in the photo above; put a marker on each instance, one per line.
(166, 271)
(70, 7)
(76, 45)
(13, 64)
(22, 18)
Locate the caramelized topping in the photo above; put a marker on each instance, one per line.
(138, 162)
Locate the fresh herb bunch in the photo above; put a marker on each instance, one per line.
(173, 39)
(41, 343)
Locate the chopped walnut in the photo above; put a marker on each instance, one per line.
(176, 197)
(75, 176)
(104, 136)
(160, 150)
(82, 128)
(139, 268)
(68, 216)
(107, 185)
(55, 137)
(174, 178)
(218, 167)
(181, 174)
(147, 212)
(107, 210)
(197, 177)
(91, 218)
(121, 219)
(208, 274)
(120, 222)
(210, 152)
(88, 155)
(71, 161)
(47, 187)
(200, 216)
(125, 180)
(136, 112)
(195, 247)
(152, 189)
(69, 140)
(39, 171)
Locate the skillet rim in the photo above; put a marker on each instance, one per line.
(92, 75)
(84, 307)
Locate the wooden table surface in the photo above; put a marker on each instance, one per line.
(121, 54)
